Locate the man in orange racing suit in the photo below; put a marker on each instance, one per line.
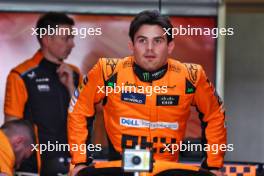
(147, 98)
(17, 138)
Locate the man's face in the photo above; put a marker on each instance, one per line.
(150, 47)
(60, 46)
(22, 150)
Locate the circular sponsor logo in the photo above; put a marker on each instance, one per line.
(76, 93)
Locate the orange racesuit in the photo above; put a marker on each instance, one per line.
(7, 156)
(151, 119)
(160, 168)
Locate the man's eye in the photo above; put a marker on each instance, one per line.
(158, 40)
(142, 40)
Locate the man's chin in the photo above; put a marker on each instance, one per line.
(62, 59)
(151, 68)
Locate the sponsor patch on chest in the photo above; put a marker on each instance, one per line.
(134, 98)
(167, 100)
(140, 123)
(43, 88)
(41, 80)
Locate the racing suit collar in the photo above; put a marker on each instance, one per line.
(48, 65)
(147, 76)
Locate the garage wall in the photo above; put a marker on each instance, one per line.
(244, 86)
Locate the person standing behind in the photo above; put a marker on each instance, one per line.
(39, 89)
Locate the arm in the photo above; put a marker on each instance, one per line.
(81, 107)
(15, 97)
(212, 116)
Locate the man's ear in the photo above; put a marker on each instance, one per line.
(131, 46)
(45, 40)
(171, 47)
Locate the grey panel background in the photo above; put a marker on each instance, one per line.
(244, 86)
(172, 7)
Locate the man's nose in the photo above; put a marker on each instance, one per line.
(150, 46)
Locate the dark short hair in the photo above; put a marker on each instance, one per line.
(52, 19)
(151, 17)
(16, 126)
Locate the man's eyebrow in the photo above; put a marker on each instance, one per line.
(157, 37)
(141, 36)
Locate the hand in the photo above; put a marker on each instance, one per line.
(75, 170)
(218, 173)
(65, 74)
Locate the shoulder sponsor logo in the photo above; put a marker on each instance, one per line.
(111, 64)
(127, 64)
(70, 109)
(167, 100)
(139, 123)
(76, 93)
(174, 68)
(43, 87)
(80, 88)
(111, 84)
(192, 71)
(134, 98)
(31, 75)
(73, 101)
(190, 88)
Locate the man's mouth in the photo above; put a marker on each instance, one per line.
(150, 57)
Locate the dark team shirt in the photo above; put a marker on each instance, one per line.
(35, 92)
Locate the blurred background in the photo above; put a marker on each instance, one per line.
(233, 63)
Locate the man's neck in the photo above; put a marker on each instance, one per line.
(149, 76)
(47, 55)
